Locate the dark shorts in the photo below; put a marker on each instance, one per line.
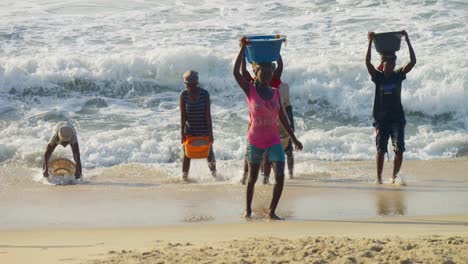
(395, 131)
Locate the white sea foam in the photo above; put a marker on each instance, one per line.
(114, 69)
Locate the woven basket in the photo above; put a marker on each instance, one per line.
(61, 167)
(264, 48)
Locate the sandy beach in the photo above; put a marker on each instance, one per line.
(398, 240)
(146, 218)
(114, 70)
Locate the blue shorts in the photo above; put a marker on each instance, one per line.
(274, 153)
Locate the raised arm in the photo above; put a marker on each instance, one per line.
(408, 67)
(279, 69)
(243, 83)
(45, 161)
(76, 156)
(370, 67)
(183, 117)
(245, 72)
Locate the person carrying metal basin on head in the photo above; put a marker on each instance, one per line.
(388, 114)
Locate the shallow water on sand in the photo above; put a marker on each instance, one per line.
(137, 195)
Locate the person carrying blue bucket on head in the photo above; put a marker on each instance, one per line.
(276, 83)
(388, 115)
(195, 119)
(263, 136)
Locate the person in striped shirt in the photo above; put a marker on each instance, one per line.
(195, 116)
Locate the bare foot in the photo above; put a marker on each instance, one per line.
(185, 177)
(379, 180)
(248, 214)
(273, 216)
(398, 181)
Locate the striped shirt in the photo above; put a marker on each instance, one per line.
(196, 123)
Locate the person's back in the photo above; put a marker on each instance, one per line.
(63, 134)
(196, 123)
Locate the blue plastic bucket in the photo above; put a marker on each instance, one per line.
(264, 48)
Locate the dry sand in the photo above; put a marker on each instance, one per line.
(426, 249)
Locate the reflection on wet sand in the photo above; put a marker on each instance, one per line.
(391, 202)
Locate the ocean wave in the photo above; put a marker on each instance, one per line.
(344, 88)
(118, 75)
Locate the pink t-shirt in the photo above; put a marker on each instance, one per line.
(263, 132)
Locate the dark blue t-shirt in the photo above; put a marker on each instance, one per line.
(387, 100)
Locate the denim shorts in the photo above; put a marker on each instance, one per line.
(396, 132)
(274, 153)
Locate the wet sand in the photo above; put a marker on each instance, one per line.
(139, 209)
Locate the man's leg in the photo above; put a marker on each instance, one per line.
(185, 167)
(254, 156)
(397, 165)
(278, 167)
(380, 161)
(212, 162)
(246, 171)
(381, 140)
(290, 159)
(398, 142)
(254, 169)
(266, 169)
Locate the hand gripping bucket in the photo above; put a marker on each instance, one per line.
(387, 42)
(264, 48)
(197, 147)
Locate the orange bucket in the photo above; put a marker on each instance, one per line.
(197, 147)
